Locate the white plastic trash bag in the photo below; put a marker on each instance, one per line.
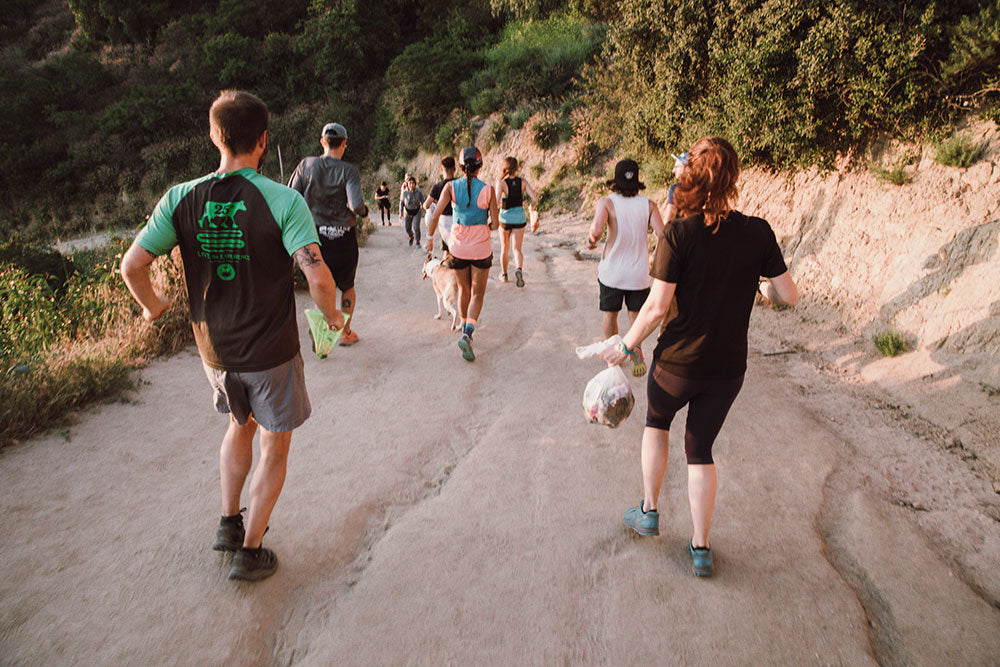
(608, 398)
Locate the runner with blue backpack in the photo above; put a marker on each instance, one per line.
(476, 215)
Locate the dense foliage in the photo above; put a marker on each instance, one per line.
(792, 82)
(106, 100)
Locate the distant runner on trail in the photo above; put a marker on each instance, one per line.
(623, 273)
(382, 199)
(410, 209)
(447, 175)
(238, 232)
(476, 214)
(332, 189)
(511, 190)
(680, 162)
(706, 271)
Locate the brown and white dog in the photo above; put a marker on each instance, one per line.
(445, 288)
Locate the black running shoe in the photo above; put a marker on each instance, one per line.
(229, 536)
(253, 564)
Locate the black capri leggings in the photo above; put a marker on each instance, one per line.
(708, 404)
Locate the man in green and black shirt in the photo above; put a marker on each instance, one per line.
(238, 232)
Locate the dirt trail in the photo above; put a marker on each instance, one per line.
(438, 511)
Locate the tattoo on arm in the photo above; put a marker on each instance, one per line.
(345, 303)
(307, 256)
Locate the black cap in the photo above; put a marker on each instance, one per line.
(627, 176)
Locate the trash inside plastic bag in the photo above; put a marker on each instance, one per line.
(607, 399)
(323, 339)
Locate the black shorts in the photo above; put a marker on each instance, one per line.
(708, 404)
(612, 297)
(383, 204)
(512, 227)
(341, 256)
(459, 264)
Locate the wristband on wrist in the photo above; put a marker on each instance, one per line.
(624, 349)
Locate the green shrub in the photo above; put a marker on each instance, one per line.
(535, 60)
(518, 118)
(796, 82)
(457, 128)
(62, 349)
(536, 170)
(894, 173)
(37, 260)
(558, 198)
(496, 133)
(889, 343)
(957, 151)
(546, 130)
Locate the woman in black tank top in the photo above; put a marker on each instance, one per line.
(511, 190)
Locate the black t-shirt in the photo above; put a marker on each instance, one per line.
(382, 194)
(716, 276)
(436, 191)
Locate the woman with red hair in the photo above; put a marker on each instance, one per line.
(706, 271)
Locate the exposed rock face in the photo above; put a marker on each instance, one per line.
(921, 258)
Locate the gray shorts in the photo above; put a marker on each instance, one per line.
(276, 398)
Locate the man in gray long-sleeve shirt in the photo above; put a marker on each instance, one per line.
(332, 188)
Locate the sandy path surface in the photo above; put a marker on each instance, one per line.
(437, 511)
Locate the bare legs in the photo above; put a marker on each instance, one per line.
(471, 290)
(347, 304)
(518, 235)
(505, 248)
(701, 495)
(235, 458)
(464, 291)
(610, 322)
(701, 483)
(479, 277)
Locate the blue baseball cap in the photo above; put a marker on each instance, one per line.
(682, 158)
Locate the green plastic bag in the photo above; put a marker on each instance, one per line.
(323, 339)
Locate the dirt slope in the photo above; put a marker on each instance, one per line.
(439, 511)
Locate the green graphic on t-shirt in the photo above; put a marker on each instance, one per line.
(220, 234)
(226, 271)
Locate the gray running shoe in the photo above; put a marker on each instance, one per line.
(520, 278)
(229, 536)
(253, 564)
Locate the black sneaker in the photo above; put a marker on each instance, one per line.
(229, 536)
(253, 564)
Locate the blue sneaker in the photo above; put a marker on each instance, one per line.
(644, 523)
(465, 345)
(701, 559)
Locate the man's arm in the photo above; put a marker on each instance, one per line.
(322, 288)
(355, 200)
(654, 218)
(135, 271)
(598, 225)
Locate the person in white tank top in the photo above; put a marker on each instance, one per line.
(623, 273)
